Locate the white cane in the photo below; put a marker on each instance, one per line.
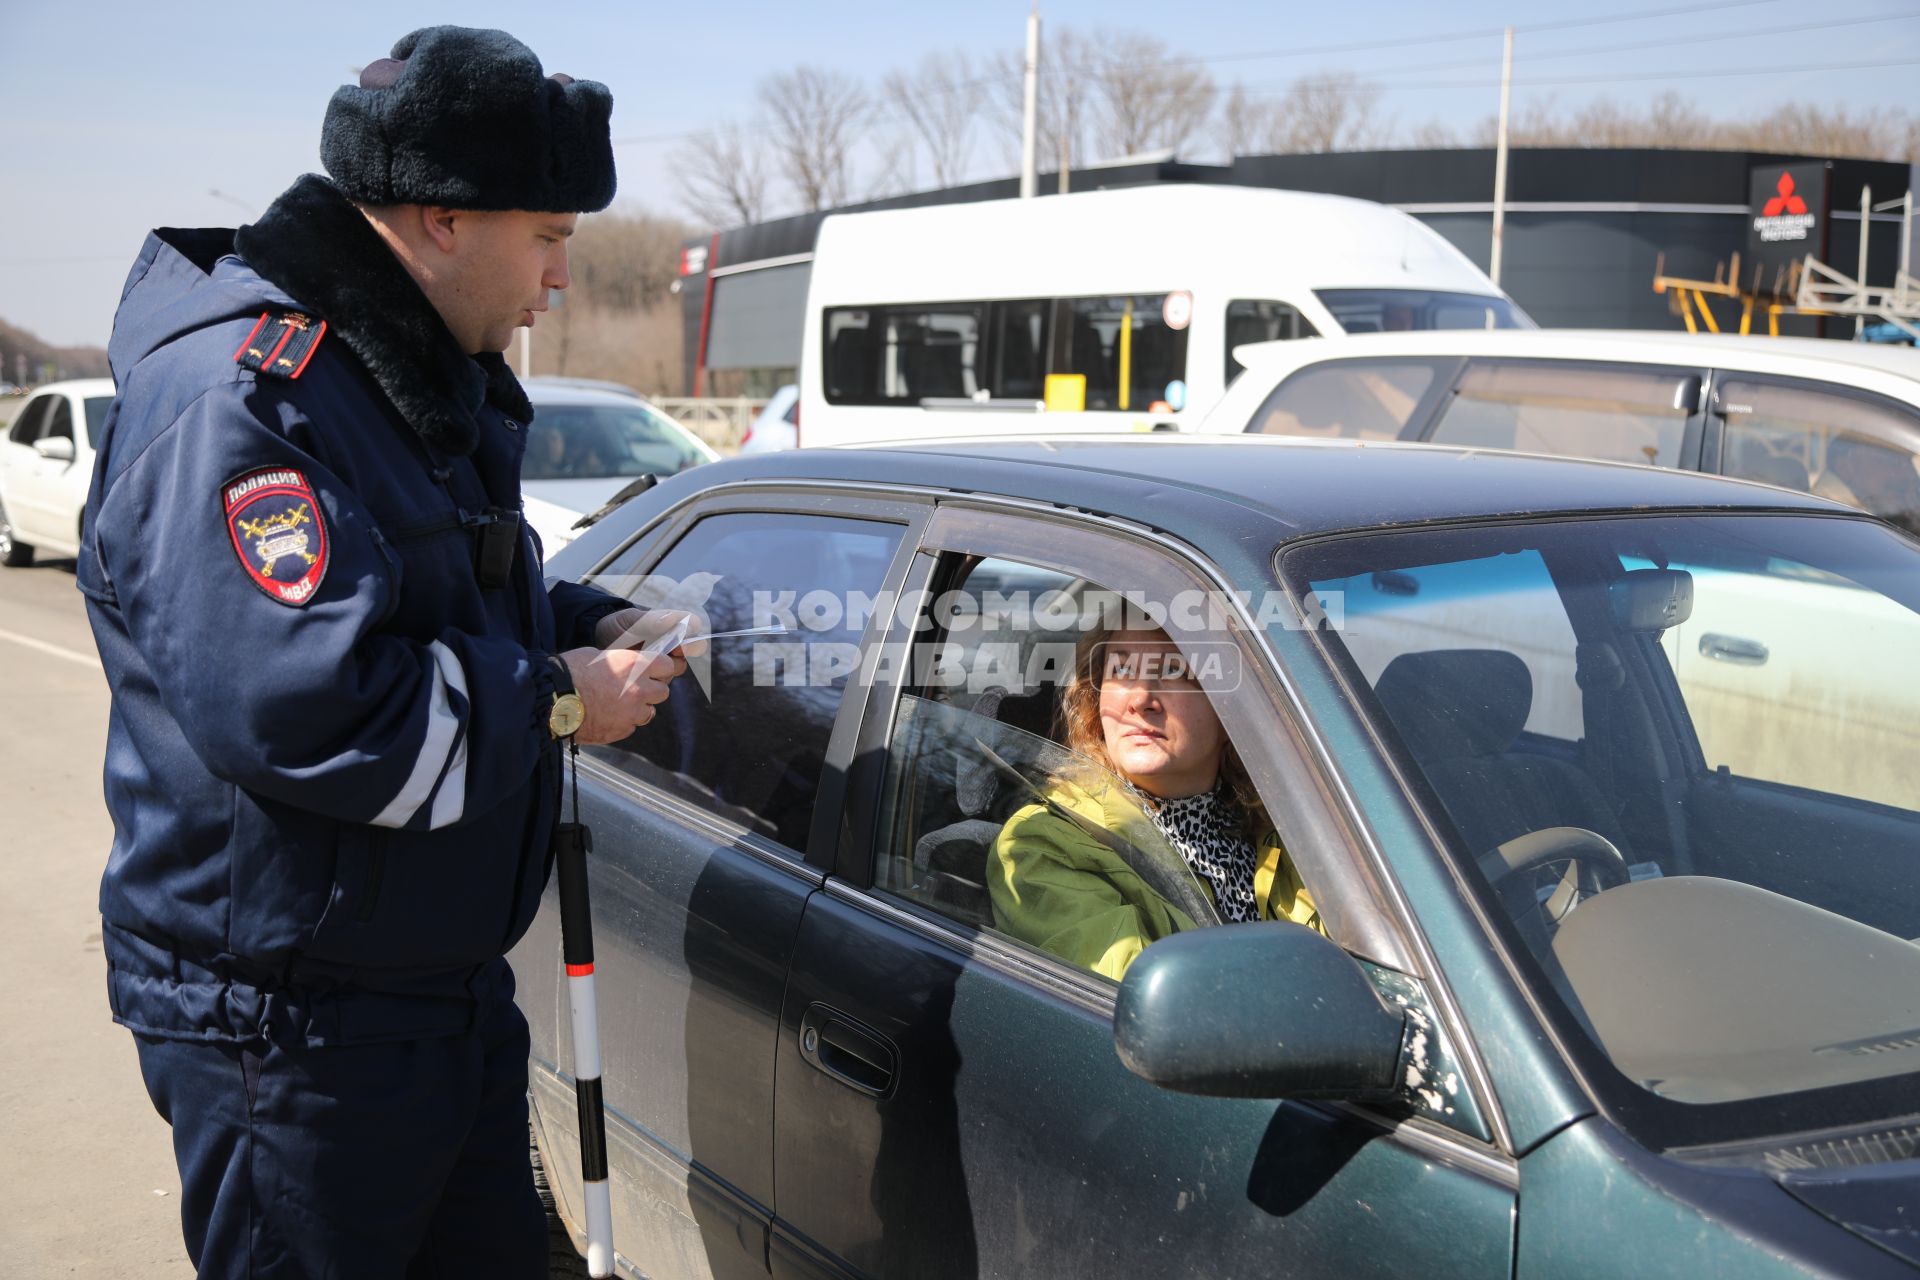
(571, 843)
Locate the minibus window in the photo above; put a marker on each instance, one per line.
(1020, 349)
(1124, 348)
(902, 354)
(1262, 320)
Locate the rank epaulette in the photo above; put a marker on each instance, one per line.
(281, 343)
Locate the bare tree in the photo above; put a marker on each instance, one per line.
(1329, 111)
(893, 170)
(1433, 136)
(1068, 70)
(1145, 97)
(723, 176)
(938, 101)
(1245, 122)
(816, 118)
(625, 258)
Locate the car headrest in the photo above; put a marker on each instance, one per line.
(1452, 703)
(976, 782)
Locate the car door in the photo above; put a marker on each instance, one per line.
(20, 465)
(1851, 446)
(1639, 413)
(949, 1100)
(702, 822)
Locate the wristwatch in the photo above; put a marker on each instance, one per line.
(568, 713)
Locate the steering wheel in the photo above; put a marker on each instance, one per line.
(1596, 863)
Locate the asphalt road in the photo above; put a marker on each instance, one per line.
(87, 1181)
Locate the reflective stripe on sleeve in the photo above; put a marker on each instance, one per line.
(451, 801)
(444, 738)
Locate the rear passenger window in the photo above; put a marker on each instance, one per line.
(1846, 448)
(1347, 400)
(745, 733)
(1613, 413)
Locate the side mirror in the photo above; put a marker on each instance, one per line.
(54, 448)
(1265, 1010)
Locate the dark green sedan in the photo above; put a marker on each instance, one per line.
(1561, 921)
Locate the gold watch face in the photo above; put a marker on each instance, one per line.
(568, 714)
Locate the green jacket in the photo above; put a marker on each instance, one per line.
(1057, 887)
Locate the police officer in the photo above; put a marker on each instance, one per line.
(339, 681)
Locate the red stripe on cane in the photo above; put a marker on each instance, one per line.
(580, 970)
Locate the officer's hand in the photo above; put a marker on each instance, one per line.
(601, 679)
(634, 628)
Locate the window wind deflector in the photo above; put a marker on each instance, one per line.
(632, 490)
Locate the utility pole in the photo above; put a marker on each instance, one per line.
(1029, 130)
(1066, 134)
(1500, 160)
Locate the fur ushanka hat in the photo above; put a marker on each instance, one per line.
(466, 118)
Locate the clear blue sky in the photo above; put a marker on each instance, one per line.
(118, 116)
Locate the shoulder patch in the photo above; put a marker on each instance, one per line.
(278, 532)
(281, 344)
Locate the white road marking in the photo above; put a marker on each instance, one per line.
(84, 659)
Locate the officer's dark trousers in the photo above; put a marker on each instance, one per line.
(361, 1162)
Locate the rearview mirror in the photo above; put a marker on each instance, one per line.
(1266, 1010)
(54, 448)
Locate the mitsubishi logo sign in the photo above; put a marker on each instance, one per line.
(1784, 216)
(1787, 211)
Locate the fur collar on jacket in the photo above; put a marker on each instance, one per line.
(313, 243)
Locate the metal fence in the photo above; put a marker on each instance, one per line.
(721, 421)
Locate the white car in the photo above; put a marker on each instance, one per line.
(46, 464)
(588, 443)
(778, 425)
(1838, 419)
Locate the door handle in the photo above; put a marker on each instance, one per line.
(1741, 653)
(855, 1055)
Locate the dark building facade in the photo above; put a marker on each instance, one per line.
(1585, 229)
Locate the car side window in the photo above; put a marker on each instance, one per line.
(1262, 320)
(1850, 449)
(996, 813)
(744, 734)
(26, 427)
(60, 424)
(1346, 400)
(1611, 412)
(96, 407)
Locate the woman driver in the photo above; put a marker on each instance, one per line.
(1056, 885)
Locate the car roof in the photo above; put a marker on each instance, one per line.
(85, 388)
(1811, 357)
(1289, 488)
(1255, 238)
(541, 392)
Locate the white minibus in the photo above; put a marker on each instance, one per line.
(1104, 310)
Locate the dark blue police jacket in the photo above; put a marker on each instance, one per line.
(328, 764)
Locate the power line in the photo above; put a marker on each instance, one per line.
(1374, 77)
(1302, 51)
(1678, 73)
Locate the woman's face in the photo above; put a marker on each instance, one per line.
(1159, 730)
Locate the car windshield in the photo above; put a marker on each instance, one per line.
(1397, 310)
(1680, 759)
(601, 441)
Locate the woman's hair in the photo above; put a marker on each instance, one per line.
(1080, 724)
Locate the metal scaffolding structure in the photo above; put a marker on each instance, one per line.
(1808, 287)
